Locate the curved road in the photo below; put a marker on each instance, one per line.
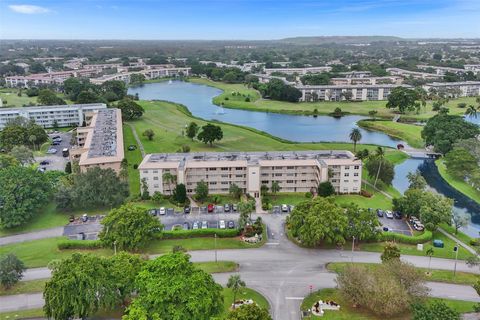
(282, 272)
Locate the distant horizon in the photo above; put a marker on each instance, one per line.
(236, 19)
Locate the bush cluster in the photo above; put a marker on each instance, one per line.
(79, 244)
(184, 234)
(398, 237)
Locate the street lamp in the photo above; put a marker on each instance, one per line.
(455, 249)
(353, 246)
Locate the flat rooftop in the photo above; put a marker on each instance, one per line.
(250, 157)
(449, 84)
(104, 138)
(63, 106)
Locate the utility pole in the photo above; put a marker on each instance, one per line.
(353, 246)
(216, 248)
(456, 257)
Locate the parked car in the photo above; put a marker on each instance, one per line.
(231, 224)
(186, 210)
(388, 214)
(385, 228)
(234, 207)
(162, 211)
(210, 207)
(132, 147)
(71, 218)
(418, 226)
(222, 224)
(380, 212)
(186, 225)
(397, 215)
(44, 163)
(153, 212)
(284, 208)
(55, 143)
(226, 208)
(52, 151)
(195, 225)
(203, 209)
(276, 209)
(84, 218)
(56, 137)
(170, 211)
(204, 224)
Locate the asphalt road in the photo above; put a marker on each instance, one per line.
(41, 234)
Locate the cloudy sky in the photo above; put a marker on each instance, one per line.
(236, 19)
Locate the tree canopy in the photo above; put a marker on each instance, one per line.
(210, 133)
(11, 270)
(19, 132)
(381, 167)
(130, 109)
(49, 98)
(403, 99)
(276, 89)
(249, 312)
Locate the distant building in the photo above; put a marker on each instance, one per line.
(346, 92)
(151, 72)
(475, 68)
(100, 143)
(49, 77)
(366, 80)
(46, 116)
(455, 89)
(413, 74)
(299, 71)
(295, 171)
(441, 70)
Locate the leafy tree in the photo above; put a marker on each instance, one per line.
(95, 188)
(201, 191)
(74, 86)
(437, 310)
(129, 227)
(115, 86)
(170, 179)
(22, 192)
(130, 109)
(235, 191)
(460, 163)
(149, 133)
(245, 209)
(372, 113)
(263, 189)
(145, 193)
(362, 224)
(23, 155)
(429, 253)
(326, 189)
(180, 193)
(192, 130)
(390, 252)
(11, 270)
(249, 312)
(403, 99)
(88, 97)
(355, 136)
(7, 160)
(459, 221)
(416, 180)
(137, 78)
(80, 286)
(171, 287)
(275, 188)
(443, 130)
(236, 284)
(380, 168)
(471, 111)
(276, 89)
(19, 131)
(47, 97)
(210, 133)
(124, 268)
(318, 220)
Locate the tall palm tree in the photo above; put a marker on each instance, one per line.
(355, 136)
(275, 188)
(380, 154)
(235, 283)
(169, 179)
(471, 111)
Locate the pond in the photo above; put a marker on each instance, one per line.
(198, 99)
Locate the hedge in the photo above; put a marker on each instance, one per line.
(79, 244)
(398, 237)
(183, 234)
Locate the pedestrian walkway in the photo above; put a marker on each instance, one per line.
(35, 235)
(135, 135)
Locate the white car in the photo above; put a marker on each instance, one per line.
(389, 214)
(222, 224)
(284, 208)
(195, 225)
(52, 151)
(204, 225)
(162, 211)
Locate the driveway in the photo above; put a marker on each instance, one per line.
(56, 161)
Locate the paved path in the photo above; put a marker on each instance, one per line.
(40, 234)
(463, 244)
(140, 145)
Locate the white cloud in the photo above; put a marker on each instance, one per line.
(28, 9)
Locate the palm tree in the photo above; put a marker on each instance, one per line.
(169, 179)
(235, 283)
(275, 188)
(379, 153)
(355, 136)
(471, 111)
(429, 253)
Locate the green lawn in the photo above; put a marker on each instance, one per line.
(134, 158)
(446, 252)
(378, 200)
(407, 132)
(217, 267)
(22, 314)
(459, 235)
(347, 312)
(361, 108)
(436, 275)
(244, 294)
(460, 185)
(10, 98)
(25, 287)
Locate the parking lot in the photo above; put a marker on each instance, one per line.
(56, 161)
(395, 225)
(198, 215)
(79, 230)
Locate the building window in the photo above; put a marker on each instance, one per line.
(346, 174)
(355, 174)
(347, 167)
(290, 167)
(212, 169)
(278, 174)
(155, 178)
(289, 181)
(346, 181)
(155, 185)
(224, 169)
(155, 171)
(356, 167)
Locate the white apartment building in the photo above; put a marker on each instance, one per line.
(455, 89)
(356, 74)
(299, 71)
(441, 70)
(295, 171)
(340, 92)
(149, 73)
(48, 78)
(45, 116)
(367, 80)
(413, 74)
(475, 68)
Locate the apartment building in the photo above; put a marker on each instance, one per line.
(366, 80)
(346, 92)
(356, 74)
(455, 89)
(263, 78)
(413, 74)
(295, 171)
(100, 142)
(46, 116)
(151, 72)
(299, 71)
(441, 70)
(475, 68)
(49, 77)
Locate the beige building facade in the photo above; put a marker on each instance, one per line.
(294, 171)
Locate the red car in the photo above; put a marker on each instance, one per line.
(210, 207)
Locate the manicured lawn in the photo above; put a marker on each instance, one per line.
(460, 185)
(10, 98)
(459, 235)
(407, 132)
(346, 311)
(22, 314)
(361, 108)
(25, 287)
(446, 252)
(217, 267)
(436, 275)
(378, 200)
(291, 198)
(244, 294)
(134, 158)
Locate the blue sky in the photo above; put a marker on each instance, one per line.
(236, 19)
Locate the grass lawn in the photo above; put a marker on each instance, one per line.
(10, 98)
(378, 200)
(459, 235)
(134, 158)
(436, 275)
(460, 185)
(244, 294)
(217, 267)
(25, 287)
(292, 198)
(408, 249)
(361, 108)
(407, 132)
(347, 312)
(22, 314)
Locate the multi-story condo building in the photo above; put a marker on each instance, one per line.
(356, 74)
(346, 92)
(48, 78)
(413, 74)
(100, 142)
(366, 80)
(299, 71)
(46, 116)
(295, 171)
(151, 72)
(455, 89)
(475, 68)
(441, 70)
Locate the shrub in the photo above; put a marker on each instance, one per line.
(398, 237)
(474, 242)
(226, 98)
(135, 166)
(308, 195)
(79, 244)
(366, 194)
(247, 99)
(462, 105)
(184, 234)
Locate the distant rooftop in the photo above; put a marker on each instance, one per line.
(104, 139)
(62, 106)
